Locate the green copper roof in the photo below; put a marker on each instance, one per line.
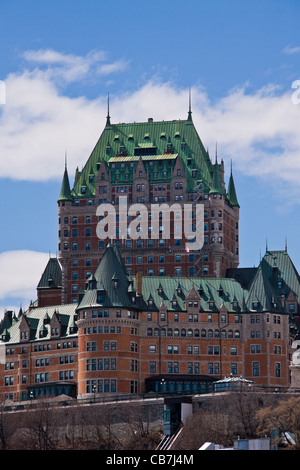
(65, 192)
(152, 141)
(275, 278)
(173, 291)
(216, 187)
(231, 193)
(52, 275)
(258, 286)
(35, 319)
(108, 287)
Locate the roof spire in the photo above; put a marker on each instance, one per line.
(231, 192)
(285, 244)
(216, 152)
(65, 192)
(190, 106)
(108, 116)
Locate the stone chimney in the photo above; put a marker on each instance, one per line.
(139, 282)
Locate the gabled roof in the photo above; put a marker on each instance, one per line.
(207, 288)
(275, 277)
(35, 318)
(263, 293)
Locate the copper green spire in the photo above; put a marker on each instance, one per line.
(65, 192)
(231, 193)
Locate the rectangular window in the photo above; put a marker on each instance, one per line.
(255, 369)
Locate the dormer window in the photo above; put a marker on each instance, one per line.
(115, 282)
(255, 305)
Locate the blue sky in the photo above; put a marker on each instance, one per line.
(59, 60)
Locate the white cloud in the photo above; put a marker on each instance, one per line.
(291, 50)
(20, 272)
(257, 130)
(70, 67)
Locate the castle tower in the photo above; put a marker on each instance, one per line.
(108, 331)
(148, 163)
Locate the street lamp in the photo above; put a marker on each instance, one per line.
(94, 389)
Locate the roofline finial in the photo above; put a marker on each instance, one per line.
(108, 116)
(190, 105)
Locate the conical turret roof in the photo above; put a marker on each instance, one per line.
(65, 192)
(111, 280)
(231, 193)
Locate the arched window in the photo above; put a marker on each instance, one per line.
(149, 332)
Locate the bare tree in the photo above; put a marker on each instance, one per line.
(40, 427)
(222, 420)
(285, 416)
(8, 425)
